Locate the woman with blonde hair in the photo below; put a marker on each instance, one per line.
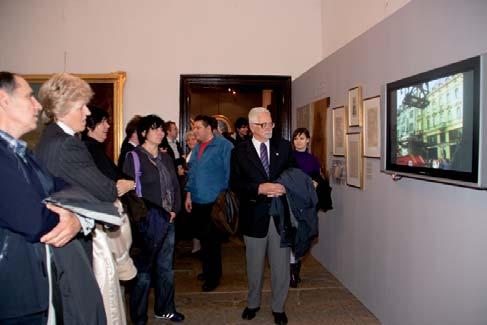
(64, 98)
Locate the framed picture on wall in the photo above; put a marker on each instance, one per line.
(354, 106)
(224, 123)
(371, 127)
(338, 125)
(354, 164)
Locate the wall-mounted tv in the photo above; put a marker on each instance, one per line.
(435, 124)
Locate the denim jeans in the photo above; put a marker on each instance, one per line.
(162, 262)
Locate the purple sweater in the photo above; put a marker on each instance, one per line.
(307, 162)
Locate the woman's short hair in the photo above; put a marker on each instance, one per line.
(146, 123)
(241, 122)
(96, 117)
(300, 131)
(60, 92)
(188, 134)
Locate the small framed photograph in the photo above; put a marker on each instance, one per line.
(354, 165)
(371, 127)
(338, 121)
(354, 106)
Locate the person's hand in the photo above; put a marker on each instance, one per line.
(315, 184)
(272, 189)
(187, 203)
(124, 185)
(180, 171)
(172, 216)
(65, 230)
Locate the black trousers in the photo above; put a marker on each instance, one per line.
(211, 239)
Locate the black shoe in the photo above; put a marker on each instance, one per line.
(249, 313)
(210, 285)
(201, 277)
(280, 318)
(173, 317)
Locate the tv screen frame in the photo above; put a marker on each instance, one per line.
(474, 123)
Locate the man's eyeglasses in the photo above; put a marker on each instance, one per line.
(265, 125)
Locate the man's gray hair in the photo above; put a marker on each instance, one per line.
(254, 112)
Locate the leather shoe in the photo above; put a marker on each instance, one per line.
(249, 313)
(280, 318)
(210, 285)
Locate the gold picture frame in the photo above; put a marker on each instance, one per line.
(224, 123)
(108, 94)
(371, 127)
(354, 106)
(339, 128)
(354, 160)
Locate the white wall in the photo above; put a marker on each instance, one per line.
(155, 41)
(412, 251)
(344, 20)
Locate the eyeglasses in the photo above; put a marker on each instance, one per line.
(266, 125)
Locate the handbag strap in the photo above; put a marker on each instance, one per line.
(137, 172)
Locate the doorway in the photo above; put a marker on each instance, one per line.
(229, 97)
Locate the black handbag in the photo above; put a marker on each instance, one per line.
(136, 207)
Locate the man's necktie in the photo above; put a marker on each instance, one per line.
(264, 158)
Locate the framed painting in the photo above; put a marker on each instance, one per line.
(338, 121)
(371, 127)
(354, 164)
(319, 132)
(354, 106)
(108, 95)
(224, 123)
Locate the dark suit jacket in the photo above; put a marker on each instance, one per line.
(177, 162)
(23, 220)
(67, 157)
(102, 161)
(247, 173)
(126, 148)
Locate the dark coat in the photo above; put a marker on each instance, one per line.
(177, 162)
(126, 148)
(247, 173)
(23, 220)
(102, 161)
(303, 201)
(67, 157)
(151, 188)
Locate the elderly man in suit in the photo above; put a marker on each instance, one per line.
(28, 271)
(255, 165)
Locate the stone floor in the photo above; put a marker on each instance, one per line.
(320, 298)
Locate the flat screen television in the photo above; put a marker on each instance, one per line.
(434, 124)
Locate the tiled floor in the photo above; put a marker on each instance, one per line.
(320, 298)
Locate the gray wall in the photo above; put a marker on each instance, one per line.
(413, 252)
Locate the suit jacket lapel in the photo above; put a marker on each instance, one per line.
(254, 158)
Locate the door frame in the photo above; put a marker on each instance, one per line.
(279, 84)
